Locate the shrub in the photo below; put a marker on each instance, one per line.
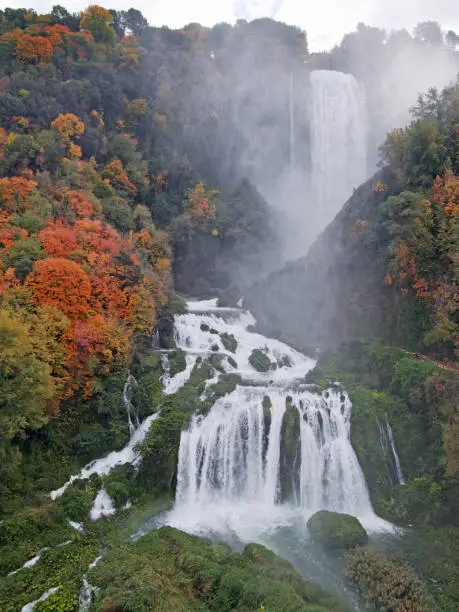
(386, 584)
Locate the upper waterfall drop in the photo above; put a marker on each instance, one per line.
(338, 124)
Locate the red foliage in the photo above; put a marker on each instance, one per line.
(61, 283)
(15, 192)
(80, 204)
(95, 236)
(58, 239)
(33, 49)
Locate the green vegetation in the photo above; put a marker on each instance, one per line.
(229, 342)
(336, 531)
(167, 569)
(225, 385)
(259, 361)
(386, 584)
(157, 471)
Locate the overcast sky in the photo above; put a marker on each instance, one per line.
(325, 21)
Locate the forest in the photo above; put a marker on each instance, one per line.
(129, 177)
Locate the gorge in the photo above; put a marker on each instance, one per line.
(228, 325)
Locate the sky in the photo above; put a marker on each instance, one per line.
(325, 21)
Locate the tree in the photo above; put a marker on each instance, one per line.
(61, 283)
(429, 32)
(98, 21)
(452, 39)
(26, 386)
(33, 49)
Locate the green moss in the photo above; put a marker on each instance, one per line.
(232, 362)
(170, 570)
(290, 449)
(336, 531)
(225, 385)
(259, 361)
(177, 362)
(229, 342)
(157, 470)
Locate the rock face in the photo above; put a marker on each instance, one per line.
(335, 293)
(337, 531)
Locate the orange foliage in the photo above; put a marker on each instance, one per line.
(61, 283)
(56, 34)
(15, 192)
(116, 174)
(79, 204)
(200, 205)
(95, 236)
(446, 192)
(96, 13)
(130, 52)
(33, 49)
(74, 151)
(58, 240)
(68, 125)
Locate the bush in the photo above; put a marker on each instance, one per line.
(384, 583)
(337, 531)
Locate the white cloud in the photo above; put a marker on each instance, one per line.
(325, 21)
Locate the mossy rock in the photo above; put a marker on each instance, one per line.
(290, 451)
(337, 531)
(177, 362)
(229, 342)
(259, 361)
(232, 362)
(226, 384)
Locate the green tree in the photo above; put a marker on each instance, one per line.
(26, 386)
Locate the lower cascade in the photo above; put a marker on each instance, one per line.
(272, 449)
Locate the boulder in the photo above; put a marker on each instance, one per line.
(336, 531)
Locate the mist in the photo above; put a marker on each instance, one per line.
(257, 118)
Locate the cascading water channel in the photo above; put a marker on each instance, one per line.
(338, 124)
(230, 461)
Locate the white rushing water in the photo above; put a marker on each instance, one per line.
(339, 140)
(387, 442)
(87, 589)
(398, 467)
(128, 454)
(131, 411)
(230, 461)
(31, 606)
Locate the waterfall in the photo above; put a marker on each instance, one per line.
(398, 467)
(132, 413)
(387, 442)
(338, 133)
(229, 467)
(155, 340)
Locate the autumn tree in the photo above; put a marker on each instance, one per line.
(33, 49)
(61, 283)
(200, 206)
(98, 21)
(15, 193)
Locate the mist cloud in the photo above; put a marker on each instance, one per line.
(325, 21)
